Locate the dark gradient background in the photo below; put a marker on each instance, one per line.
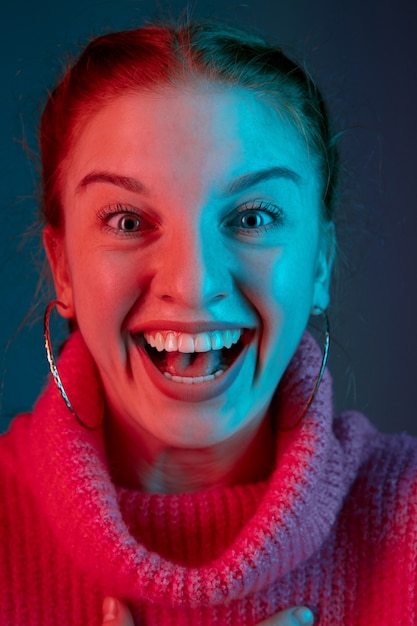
(364, 55)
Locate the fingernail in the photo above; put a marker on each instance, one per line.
(304, 616)
(110, 609)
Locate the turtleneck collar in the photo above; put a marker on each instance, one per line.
(283, 521)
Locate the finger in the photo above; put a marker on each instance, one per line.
(296, 616)
(116, 613)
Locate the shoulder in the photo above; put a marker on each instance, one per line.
(16, 492)
(385, 457)
(373, 544)
(386, 483)
(13, 448)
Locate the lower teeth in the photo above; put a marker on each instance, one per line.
(189, 380)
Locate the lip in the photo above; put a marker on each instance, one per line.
(195, 392)
(187, 327)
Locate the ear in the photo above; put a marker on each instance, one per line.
(324, 265)
(55, 251)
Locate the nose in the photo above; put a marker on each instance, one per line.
(193, 269)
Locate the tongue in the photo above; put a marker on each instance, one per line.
(194, 364)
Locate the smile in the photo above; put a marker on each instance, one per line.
(193, 358)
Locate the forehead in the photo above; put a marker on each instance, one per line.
(203, 136)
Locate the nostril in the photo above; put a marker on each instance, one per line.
(192, 299)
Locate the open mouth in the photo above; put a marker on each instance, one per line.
(193, 358)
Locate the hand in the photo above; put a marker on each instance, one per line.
(116, 613)
(296, 616)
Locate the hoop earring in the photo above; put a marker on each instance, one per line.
(51, 361)
(316, 311)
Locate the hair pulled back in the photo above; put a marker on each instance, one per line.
(154, 57)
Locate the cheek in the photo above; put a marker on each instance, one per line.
(278, 279)
(104, 286)
(279, 283)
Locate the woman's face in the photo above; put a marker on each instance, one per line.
(191, 258)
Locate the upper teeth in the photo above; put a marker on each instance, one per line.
(173, 341)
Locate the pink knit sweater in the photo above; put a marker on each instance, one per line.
(334, 527)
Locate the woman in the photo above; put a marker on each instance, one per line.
(187, 462)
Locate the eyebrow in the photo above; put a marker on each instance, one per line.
(126, 182)
(254, 178)
(242, 183)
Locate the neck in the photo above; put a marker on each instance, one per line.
(139, 461)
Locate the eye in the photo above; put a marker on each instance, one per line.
(255, 217)
(124, 220)
(127, 223)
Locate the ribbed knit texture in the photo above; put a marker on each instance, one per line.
(334, 527)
